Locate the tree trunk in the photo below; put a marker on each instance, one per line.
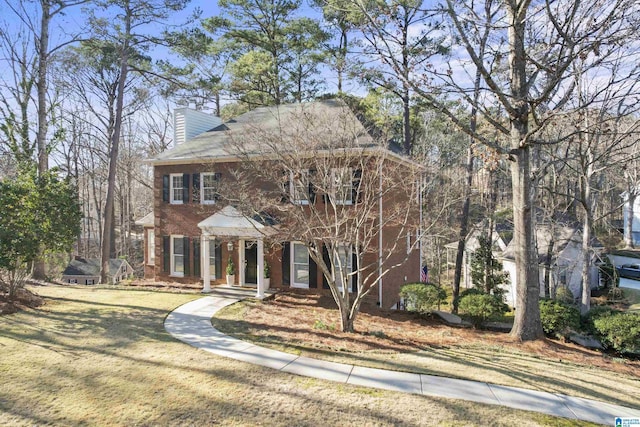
(107, 235)
(585, 305)
(464, 226)
(466, 205)
(39, 268)
(547, 267)
(526, 325)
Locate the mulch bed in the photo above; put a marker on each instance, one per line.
(24, 299)
(313, 319)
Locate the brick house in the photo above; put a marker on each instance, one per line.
(199, 221)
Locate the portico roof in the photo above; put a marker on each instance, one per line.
(230, 222)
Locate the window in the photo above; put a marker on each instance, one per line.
(177, 256)
(176, 191)
(342, 185)
(151, 247)
(209, 187)
(73, 280)
(89, 282)
(299, 266)
(299, 187)
(409, 243)
(342, 261)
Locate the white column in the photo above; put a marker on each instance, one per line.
(240, 262)
(204, 263)
(260, 291)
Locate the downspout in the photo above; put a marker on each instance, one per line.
(380, 235)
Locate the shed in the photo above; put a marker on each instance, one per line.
(87, 271)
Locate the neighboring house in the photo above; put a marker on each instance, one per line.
(628, 221)
(87, 271)
(471, 245)
(192, 231)
(149, 239)
(565, 265)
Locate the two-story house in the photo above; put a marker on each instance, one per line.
(256, 188)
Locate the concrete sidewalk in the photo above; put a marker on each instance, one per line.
(191, 323)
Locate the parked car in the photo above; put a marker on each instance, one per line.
(630, 271)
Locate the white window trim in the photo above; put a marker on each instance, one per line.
(151, 247)
(171, 188)
(304, 200)
(292, 266)
(336, 268)
(173, 272)
(334, 193)
(202, 187)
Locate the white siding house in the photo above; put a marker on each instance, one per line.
(634, 222)
(566, 260)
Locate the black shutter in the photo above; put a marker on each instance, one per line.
(356, 194)
(312, 187)
(196, 257)
(354, 268)
(186, 258)
(218, 250)
(185, 187)
(286, 263)
(166, 254)
(285, 197)
(165, 188)
(327, 261)
(216, 177)
(195, 188)
(313, 273)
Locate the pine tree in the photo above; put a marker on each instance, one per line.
(487, 273)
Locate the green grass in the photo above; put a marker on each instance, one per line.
(101, 357)
(633, 298)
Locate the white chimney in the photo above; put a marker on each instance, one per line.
(188, 123)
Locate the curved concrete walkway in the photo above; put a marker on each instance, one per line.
(191, 323)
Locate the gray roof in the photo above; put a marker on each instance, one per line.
(562, 236)
(90, 267)
(147, 220)
(332, 120)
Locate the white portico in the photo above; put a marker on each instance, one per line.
(248, 235)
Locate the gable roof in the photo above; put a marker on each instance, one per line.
(562, 236)
(147, 220)
(91, 267)
(230, 222)
(330, 117)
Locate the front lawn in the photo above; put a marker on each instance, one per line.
(308, 325)
(95, 356)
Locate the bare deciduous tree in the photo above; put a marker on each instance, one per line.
(326, 183)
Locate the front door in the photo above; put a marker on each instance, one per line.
(251, 262)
